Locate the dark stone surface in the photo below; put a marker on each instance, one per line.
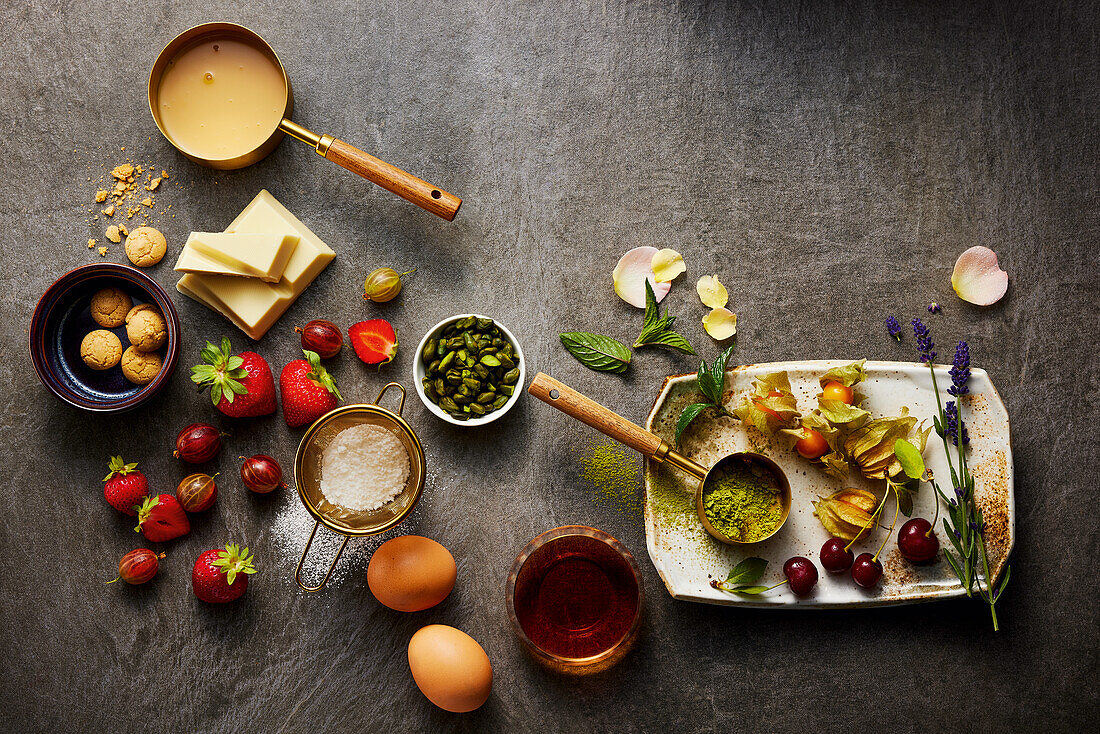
(828, 160)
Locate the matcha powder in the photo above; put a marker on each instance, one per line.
(611, 471)
(743, 502)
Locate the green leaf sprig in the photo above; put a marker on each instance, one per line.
(597, 352)
(743, 577)
(657, 329)
(711, 381)
(604, 354)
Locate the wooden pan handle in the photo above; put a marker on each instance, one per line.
(392, 178)
(587, 411)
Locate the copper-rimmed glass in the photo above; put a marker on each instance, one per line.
(530, 573)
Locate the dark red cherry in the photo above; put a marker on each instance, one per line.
(801, 574)
(835, 558)
(917, 542)
(866, 571)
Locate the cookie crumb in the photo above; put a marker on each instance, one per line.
(91, 243)
(123, 171)
(123, 230)
(110, 211)
(101, 195)
(112, 235)
(103, 252)
(153, 184)
(147, 201)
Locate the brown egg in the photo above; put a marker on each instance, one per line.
(411, 573)
(450, 668)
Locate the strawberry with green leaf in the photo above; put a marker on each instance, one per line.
(308, 390)
(241, 385)
(162, 518)
(220, 575)
(125, 487)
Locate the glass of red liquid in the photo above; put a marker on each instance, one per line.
(575, 599)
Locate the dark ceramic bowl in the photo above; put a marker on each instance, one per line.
(62, 319)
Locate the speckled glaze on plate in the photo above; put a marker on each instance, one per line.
(61, 320)
(687, 558)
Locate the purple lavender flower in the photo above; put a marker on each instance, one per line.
(893, 327)
(960, 370)
(934, 307)
(952, 412)
(924, 341)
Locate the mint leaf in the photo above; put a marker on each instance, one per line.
(597, 352)
(747, 571)
(689, 414)
(657, 330)
(705, 382)
(718, 374)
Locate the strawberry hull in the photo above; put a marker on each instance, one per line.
(221, 576)
(162, 518)
(308, 391)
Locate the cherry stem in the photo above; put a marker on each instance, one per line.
(871, 522)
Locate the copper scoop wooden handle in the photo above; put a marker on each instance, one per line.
(391, 178)
(588, 411)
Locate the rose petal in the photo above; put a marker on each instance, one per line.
(721, 323)
(631, 273)
(977, 278)
(712, 293)
(667, 264)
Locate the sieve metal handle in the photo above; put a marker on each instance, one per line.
(302, 560)
(399, 386)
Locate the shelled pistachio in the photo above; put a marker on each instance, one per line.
(470, 368)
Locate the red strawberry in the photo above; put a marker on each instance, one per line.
(125, 487)
(374, 341)
(222, 575)
(308, 390)
(162, 518)
(241, 386)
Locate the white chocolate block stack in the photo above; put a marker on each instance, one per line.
(227, 273)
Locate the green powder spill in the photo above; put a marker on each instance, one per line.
(669, 501)
(611, 470)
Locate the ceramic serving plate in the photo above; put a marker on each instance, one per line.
(687, 558)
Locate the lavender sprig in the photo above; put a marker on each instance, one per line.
(965, 524)
(925, 347)
(960, 370)
(934, 307)
(954, 427)
(893, 327)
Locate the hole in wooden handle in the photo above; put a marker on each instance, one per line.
(436, 193)
(554, 394)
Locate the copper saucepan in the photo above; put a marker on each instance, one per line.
(611, 424)
(391, 178)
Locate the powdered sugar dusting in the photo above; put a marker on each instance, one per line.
(363, 468)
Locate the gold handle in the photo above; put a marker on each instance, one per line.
(399, 386)
(302, 560)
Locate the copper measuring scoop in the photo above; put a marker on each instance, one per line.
(613, 425)
(393, 179)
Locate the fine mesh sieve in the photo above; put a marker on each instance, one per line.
(307, 476)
